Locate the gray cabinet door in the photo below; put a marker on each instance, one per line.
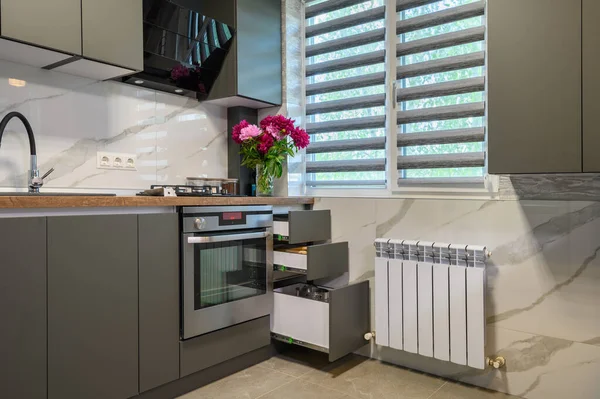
(23, 308)
(92, 307)
(113, 32)
(55, 24)
(534, 86)
(159, 299)
(591, 86)
(259, 43)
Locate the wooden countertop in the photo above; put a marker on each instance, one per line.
(79, 201)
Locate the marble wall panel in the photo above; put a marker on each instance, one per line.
(73, 118)
(543, 283)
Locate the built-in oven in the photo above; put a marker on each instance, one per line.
(227, 266)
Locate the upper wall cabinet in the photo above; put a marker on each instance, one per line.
(591, 86)
(54, 24)
(49, 24)
(112, 32)
(89, 38)
(534, 78)
(251, 73)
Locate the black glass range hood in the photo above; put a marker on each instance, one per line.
(183, 49)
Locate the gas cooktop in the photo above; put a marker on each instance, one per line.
(188, 191)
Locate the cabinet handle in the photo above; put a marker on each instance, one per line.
(230, 237)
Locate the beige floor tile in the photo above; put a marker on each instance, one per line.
(297, 362)
(246, 384)
(360, 377)
(303, 390)
(459, 391)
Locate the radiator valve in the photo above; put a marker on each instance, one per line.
(496, 362)
(369, 336)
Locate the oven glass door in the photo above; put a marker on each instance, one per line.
(228, 271)
(227, 278)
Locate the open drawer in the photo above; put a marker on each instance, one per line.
(298, 227)
(335, 324)
(316, 261)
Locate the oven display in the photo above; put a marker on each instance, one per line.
(231, 218)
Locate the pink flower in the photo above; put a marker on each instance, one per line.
(249, 131)
(237, 129)
(300, 137)
(281, 123)
(273, 131)
(266, 142)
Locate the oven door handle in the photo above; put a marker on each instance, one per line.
(230, 237)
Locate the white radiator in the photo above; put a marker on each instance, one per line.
(430, 299)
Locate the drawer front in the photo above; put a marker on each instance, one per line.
(349, 319)
(304, 226)
(209, 349)
(320, 261)
(302, 319)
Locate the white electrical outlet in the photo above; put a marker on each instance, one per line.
(116, 161)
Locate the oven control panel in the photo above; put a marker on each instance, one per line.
(225, 218)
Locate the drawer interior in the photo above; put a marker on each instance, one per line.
(302, 319)
(316, 261)
(335, 325)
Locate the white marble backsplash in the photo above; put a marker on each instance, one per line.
(543, 296)
(73, 118)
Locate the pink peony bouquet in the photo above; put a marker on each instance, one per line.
(265, 147)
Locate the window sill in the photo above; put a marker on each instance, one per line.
(488, 190)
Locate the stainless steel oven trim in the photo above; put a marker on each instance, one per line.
(198, 322)
(210, 222)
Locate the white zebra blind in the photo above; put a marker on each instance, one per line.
(440, 90)
(345, 92)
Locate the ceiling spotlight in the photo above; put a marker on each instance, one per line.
(138, 82)
(178, 91)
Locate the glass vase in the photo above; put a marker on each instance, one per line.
(264, 182)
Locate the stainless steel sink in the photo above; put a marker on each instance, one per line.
(25, 194)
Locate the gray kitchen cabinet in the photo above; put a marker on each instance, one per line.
(92, 307)
(23, 308)
(113, 32)
(534, 86)
(159, 299)
(204, 351)
(591, 86)
(54, 24)
(252, 68)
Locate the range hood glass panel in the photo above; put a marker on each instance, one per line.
(188, 23)
(178, 37)
(177, 47)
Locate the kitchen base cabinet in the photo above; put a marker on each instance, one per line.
(159, 299)
(92, 307)
(207, 350)
(23, 308)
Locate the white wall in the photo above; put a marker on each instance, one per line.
(73, 118)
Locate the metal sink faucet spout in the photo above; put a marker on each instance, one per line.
(34, 180)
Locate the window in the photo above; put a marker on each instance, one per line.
(434, 124)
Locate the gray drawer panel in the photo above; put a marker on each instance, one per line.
(309, 226)
(327, 260)
(349, 319)
(207, 350)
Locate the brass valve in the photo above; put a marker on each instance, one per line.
(496, 362)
